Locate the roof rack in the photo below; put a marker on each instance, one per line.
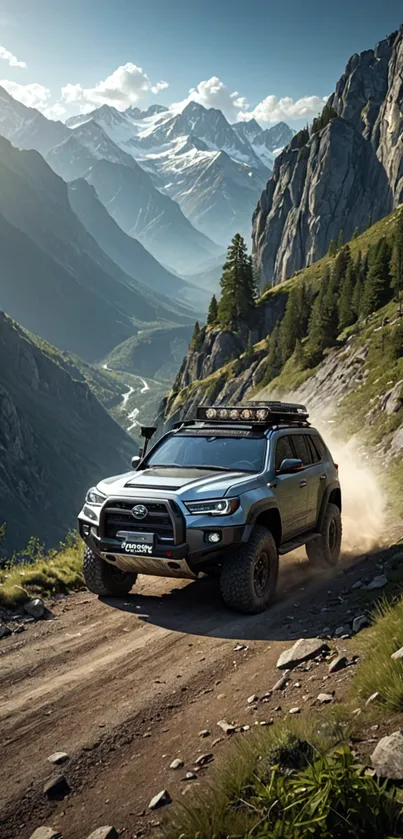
(263, 414)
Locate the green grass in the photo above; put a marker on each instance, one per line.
(379, 672)
(42, 575)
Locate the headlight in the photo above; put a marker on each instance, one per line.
(220, 507)
(94, 496)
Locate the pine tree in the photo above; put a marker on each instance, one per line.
(377, 290)
(332, 248)
(197, 337)
(356, 233)
(294, 324)
(238, 287)
(396, 265)
(273, 365)
(249, 348)
(340, 240)
(323, 323)
(212, 315)
(347, 315)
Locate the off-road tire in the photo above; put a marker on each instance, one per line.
(324, 551)
(103, 579)
(239, 584)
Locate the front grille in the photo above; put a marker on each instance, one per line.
(118, 516)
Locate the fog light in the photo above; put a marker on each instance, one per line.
(214, 537)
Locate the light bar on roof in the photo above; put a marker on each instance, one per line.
(257, 413)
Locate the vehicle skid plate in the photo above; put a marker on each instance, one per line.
(153, 565)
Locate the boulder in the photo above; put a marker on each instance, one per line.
(303, 650)
(360, 622)
(45, 833)
(4, 632)
(387, 757)
(57, 788)
(398, 655)
(324, 698)
(104, 833)
(35, 608)
(177, 764)
(227, 728)
(378, 582)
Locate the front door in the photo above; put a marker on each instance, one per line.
(291, 491)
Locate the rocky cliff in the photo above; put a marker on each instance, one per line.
(346, 170)
(56, 440)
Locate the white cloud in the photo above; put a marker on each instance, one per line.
(33, 95)
(213, 93)
(55, 111)
(272, 109)
(6, 55)
(124, 87)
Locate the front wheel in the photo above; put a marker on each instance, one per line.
(324, 550)
(248, 579)
(103, 579)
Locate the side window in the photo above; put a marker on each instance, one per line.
(301, 448)
(315, 454)
(320, 446)
(283, 451)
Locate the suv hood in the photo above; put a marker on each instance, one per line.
(190, 483)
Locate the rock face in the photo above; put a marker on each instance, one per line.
(343, 174)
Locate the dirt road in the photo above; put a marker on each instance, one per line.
(125, 687)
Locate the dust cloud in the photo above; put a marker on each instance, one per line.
(364, 501)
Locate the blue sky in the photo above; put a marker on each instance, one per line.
(287, 55)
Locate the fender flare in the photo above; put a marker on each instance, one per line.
(262, 506)
(325, 501)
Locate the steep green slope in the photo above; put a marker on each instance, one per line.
(56, 440)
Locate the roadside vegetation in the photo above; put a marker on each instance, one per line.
(33, 572)
(300, 778)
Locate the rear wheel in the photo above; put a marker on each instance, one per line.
(104, 579)
(324, 551)
(248, 579)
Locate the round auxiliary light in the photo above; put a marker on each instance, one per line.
(234, 414)
(261, 414)
(211, 413)
(214, 537)
(223, 413)
(246, 414)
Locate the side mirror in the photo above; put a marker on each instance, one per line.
(135, 461)
(290, 465)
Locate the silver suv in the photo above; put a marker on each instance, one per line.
(226, 493)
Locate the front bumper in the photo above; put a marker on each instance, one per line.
(184, 560)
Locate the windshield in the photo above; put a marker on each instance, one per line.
(245, 454)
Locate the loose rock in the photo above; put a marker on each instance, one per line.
(303, 650)
(387, 757)
(282, 682)
(104, 833)
(190, 776)
(338, 663)
(294, 711)
(378, 582)
(4, 632)
(360, 622)
(398, 655)
(35, 608)
(57, 787)
(251, 699)
(342, 631)
(46, 833)
(357, 585)
(58, 758)
(323, 698)
(177, 764)
(228, 728)
(394, 568)
(160, 800)
(203, 759)
(204, 733)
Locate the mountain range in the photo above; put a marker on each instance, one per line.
(181, 183)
